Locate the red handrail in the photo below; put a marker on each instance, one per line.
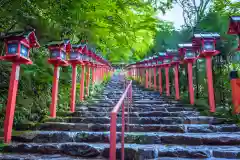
(113, 132)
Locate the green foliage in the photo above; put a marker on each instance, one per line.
(121, 30)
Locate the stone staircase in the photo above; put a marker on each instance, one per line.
(160, 128)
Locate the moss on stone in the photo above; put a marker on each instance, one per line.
(64, 114)
(27, 125)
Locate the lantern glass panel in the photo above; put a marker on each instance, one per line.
(55, 54)
(90, 59)
(166, 61)
(159, 62)
(63, 55)
(12, 48)
(24, 51)
(175, 59)
(189, 54)
(85, 57)
(208, 46)
(74, 55)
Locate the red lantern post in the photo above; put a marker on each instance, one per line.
(149, 75)
(94, 57)
(154, 64)
(160, 57)
(82, 80)
(160, 80)
(189, 58)
(18, 45)
(58, 57)
(208, 43)
(75, 58)
(159, 64)
(234, 29)
(146, 74)
(88, 72)
(166, 64)
(175, 62)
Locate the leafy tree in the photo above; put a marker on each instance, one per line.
(121, 30)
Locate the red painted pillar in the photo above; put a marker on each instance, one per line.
(146, 79)
(54, 92)
(235, 86)
(87, 79)
(150, 78)
(155, 78)
(73, 90)
(101, 74)
(210, 84)
(96, 75)
(141, 75)
(167, 81)
(177, 96)
(82, 83)
(160, 80)
(93, 75)
(10, 109)
(190, 83)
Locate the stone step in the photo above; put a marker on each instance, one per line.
(136, 109)
(154, 102)
(25, 156)
(132, 151)
(111, 105)
(135, 114)
(143, 120)
(96, 127)
(130, 137)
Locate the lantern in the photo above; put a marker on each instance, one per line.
(75, 53)
(84, 52)
(208, 45)
(166, 61)
(160, 62)
(18, 45)
(234, 25)
(186, 50)
(234, 28)
(207, 41)
(189, 54)
(174, 55)
(58, 52)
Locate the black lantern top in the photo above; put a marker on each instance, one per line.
(234, 25)
(18, 45)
